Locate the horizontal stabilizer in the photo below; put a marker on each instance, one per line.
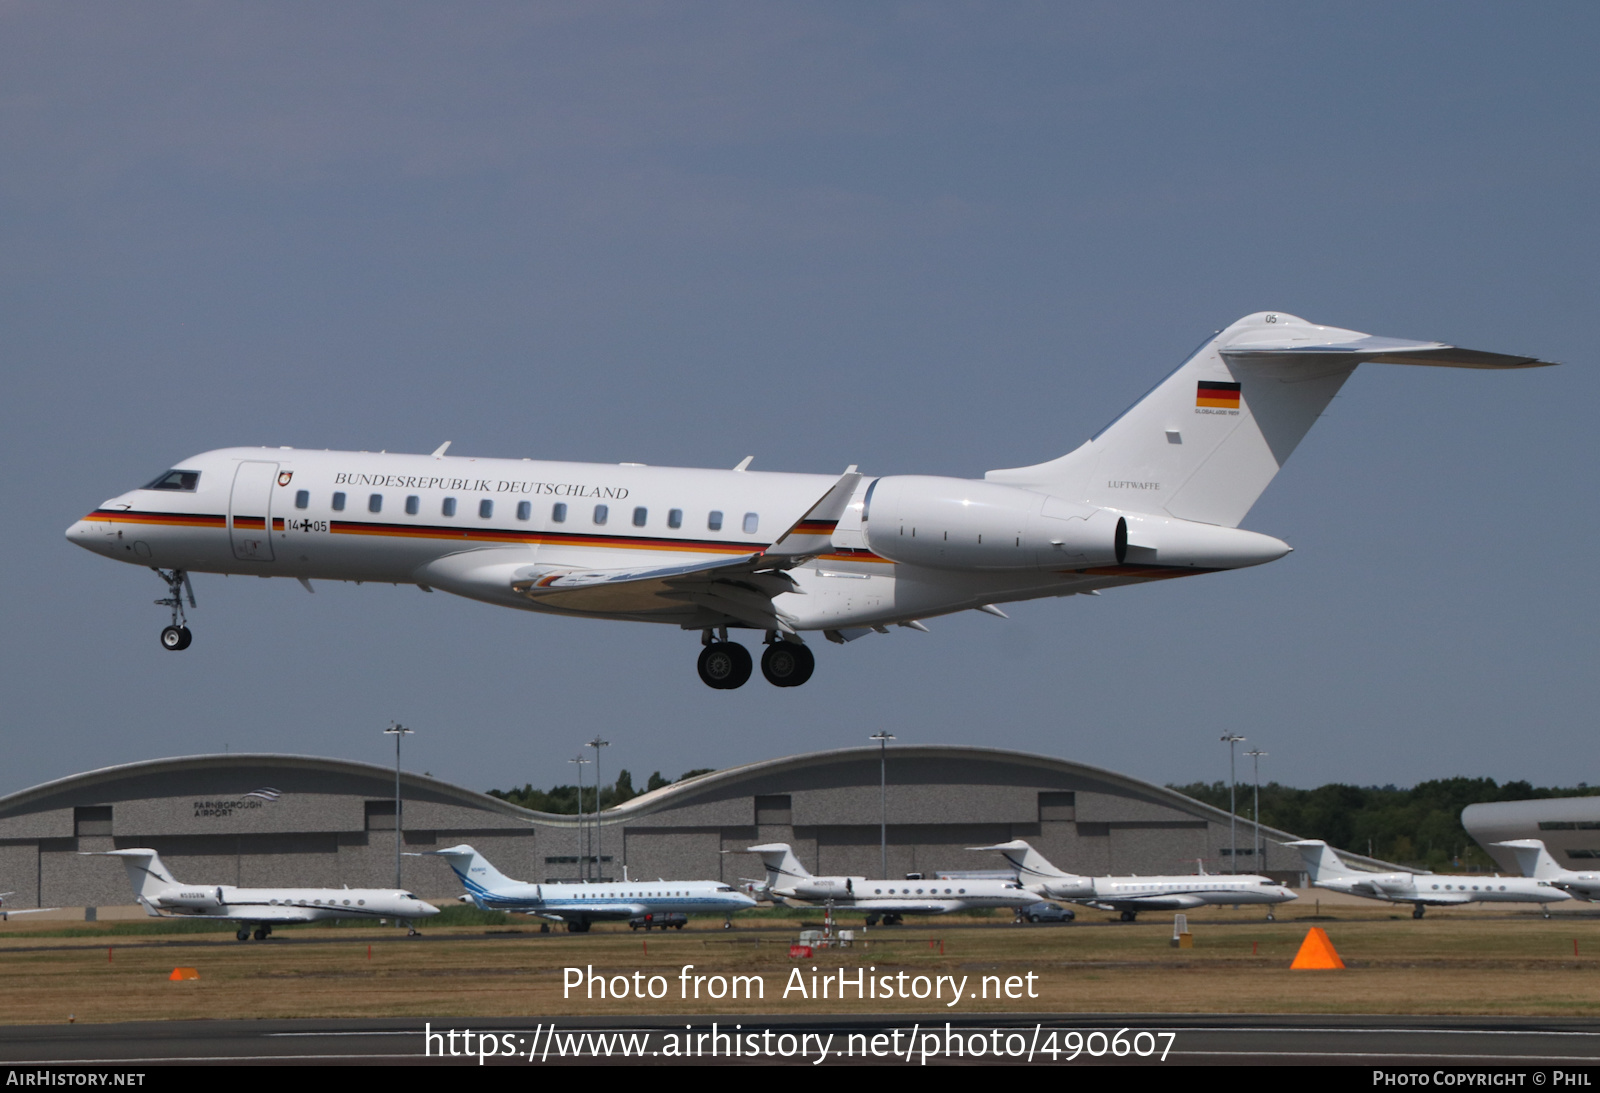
(1380, 351)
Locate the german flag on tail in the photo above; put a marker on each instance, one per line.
(1217, 393)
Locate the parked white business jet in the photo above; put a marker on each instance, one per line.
(1132, 894)
(1421, 890)
(1536, 861)
(163, 896)
(789, 881)
(6, 912)
(1158, 493)
(580, 905)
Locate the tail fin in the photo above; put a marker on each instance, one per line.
(1031, 865)
(782, 865)
(476, 874)
(1205, 443)
(1533, 858)
(1321, 862)
(145, 872)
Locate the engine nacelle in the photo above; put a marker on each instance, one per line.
(961, 523)
(1167, 541)
(190, 899)
(824, 888)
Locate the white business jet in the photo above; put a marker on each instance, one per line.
(1535, 861)
(886, 900)
(580, 905)
(1130, 895)
(6, 912)
(1421, 890)
(1158, 493)
(163, 896)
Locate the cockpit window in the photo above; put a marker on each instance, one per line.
(182, 481)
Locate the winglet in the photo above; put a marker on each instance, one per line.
(812, 534)
(438, 453)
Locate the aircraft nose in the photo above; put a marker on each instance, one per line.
(425, 908)
(1288, 895)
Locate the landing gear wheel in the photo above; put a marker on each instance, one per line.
(787, 664)
(261, 933)
(1271, 917)
(1416, 912)
(1129, 916)
(243, 934)
(175, 638)
(872, 920)
(724, 665)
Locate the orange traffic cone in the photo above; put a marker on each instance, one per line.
(1316, 951)
(184, 973)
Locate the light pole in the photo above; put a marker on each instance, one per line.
(583, 864)
(883, 739)
(1231, 739)
(599, 855)
(1255, 847)
(397, 731)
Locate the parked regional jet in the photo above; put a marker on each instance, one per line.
(1536, 861)
(1158, 493)
(580, 905)
(788, 880)
(1132, 894)
(1421, 890)
(163, 896)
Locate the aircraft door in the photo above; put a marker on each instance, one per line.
(250, 511)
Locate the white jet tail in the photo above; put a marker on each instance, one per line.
(1206, 441)
(1321, 862)
(476, 874)
(145, 872)
(783, 868)
(1032, 867)
(1534, 859)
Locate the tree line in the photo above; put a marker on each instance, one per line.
(564, 799)
(1420, 826)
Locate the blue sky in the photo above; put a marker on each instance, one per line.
(931, 238)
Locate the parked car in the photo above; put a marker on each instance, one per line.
(663, 921)
(1045, 912)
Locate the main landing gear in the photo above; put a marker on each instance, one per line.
(1129, 916)
(261, 933)
(1416, 912)
(177, 635)
(725, 665)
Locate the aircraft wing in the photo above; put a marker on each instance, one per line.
(741, 587)
(1148, 903)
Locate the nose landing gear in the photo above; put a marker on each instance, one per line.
(176, 636)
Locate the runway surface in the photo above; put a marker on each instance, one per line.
(1145, 1039)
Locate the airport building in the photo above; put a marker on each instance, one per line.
(1569, 826)
(283, 820)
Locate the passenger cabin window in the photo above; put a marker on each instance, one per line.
(675, 518)
(640, 515)
(302, 499)
(375, 503)
(449, 506)
(338, 502)
(600, 513)
(524, 510)
(485, 509)
(751, 520)
(413, 505)
(714, 521)
(558, 513)
(183, 481)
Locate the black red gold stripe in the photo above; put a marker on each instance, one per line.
(1218, 393)
(172, 519)
(815, 527)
